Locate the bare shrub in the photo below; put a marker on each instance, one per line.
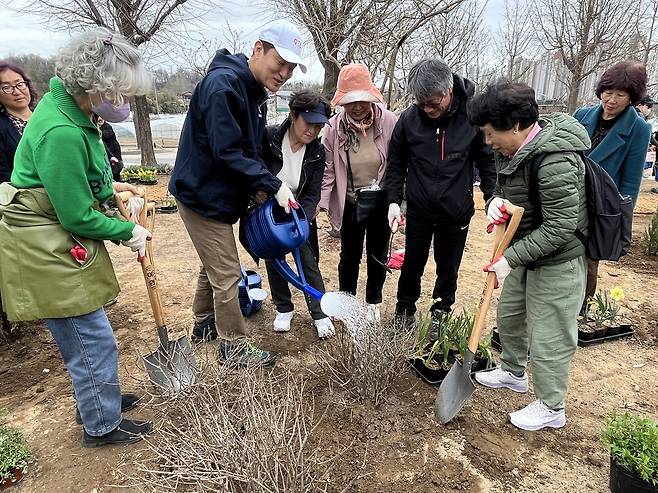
(366, 357)
(235, 430)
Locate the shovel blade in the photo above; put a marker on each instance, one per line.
(454, 391)
(173, 370)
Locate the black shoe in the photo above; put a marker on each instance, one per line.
(128, 402)
(439, 318)
(127, 432)
(204, 332)
(245, 353)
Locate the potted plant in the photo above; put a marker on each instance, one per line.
(442, 338)
(604, 311)
(633, 445)
(14, 453)
(168, 205)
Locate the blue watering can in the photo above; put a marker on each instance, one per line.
(250, 294)
(271, 233)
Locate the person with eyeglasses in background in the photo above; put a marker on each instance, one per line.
(18, 97)
(432, 155)
(620, 137)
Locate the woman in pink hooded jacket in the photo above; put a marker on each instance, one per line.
(356, 144)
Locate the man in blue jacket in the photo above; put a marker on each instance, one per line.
(218, 168)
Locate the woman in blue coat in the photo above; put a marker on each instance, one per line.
(620, 137)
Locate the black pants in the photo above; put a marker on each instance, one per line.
(281, 289)
(449, 242)
(313, 240)
(376, 232)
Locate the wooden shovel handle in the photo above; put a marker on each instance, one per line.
(146, 262)
(503, 237)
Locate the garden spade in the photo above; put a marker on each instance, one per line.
(172, 367)
(458, 386)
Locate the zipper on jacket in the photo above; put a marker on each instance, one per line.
(441, 140)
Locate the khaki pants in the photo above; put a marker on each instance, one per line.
(538, 311)
(217, 286)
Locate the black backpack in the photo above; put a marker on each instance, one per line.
(610, 215)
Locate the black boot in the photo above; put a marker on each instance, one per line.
(127, 432)
(128, 402)
(205, 331)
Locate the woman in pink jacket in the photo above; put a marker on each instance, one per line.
(356, 143)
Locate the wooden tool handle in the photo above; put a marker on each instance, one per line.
(503, 237)
(147, 261)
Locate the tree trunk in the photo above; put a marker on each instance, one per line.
(574, 89)
(331, 72)
(143, 131)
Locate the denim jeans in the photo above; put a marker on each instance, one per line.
(90, 354)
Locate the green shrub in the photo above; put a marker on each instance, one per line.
(649, 241)
(633, 444)
(13, 451)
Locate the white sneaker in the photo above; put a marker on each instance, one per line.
(282, 321)
(538, 415)
(500, 378)
(373, 314)
(325, 328)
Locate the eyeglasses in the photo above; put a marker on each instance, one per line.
(616, 95)
(431, 105)
(9, 89)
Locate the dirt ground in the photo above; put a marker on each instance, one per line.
(399, 448)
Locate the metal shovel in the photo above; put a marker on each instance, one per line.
(458, 386)
(172, 367)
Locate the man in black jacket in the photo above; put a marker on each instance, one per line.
(218, 168)
(431, 158)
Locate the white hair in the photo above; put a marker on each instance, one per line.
(102, 61)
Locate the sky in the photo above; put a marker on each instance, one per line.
(33, 34)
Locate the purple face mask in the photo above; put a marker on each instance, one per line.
(111, 113)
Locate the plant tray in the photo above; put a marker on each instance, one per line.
(148, 182)
(624, 331)
(166, 209)
(434, 376)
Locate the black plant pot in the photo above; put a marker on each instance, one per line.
(624, 481)
(600, 332)
(613, 331)
(585, 335)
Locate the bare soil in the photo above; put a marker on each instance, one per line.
(397, 448)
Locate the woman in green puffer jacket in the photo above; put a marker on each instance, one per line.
(544, 267)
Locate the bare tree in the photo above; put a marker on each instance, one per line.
(141, 21)
(198, 52)
(373, 31)
(515, 39)
(586, 34)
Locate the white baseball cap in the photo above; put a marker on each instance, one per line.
(287, 41)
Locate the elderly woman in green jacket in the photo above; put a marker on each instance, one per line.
(544, 268)
(53, 263)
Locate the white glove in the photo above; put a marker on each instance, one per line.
(284, 197)
(493, 211)
(138, 241)
(501, 267)
(134, 208)
(394, 216)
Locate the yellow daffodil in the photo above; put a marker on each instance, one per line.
(617, 293)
